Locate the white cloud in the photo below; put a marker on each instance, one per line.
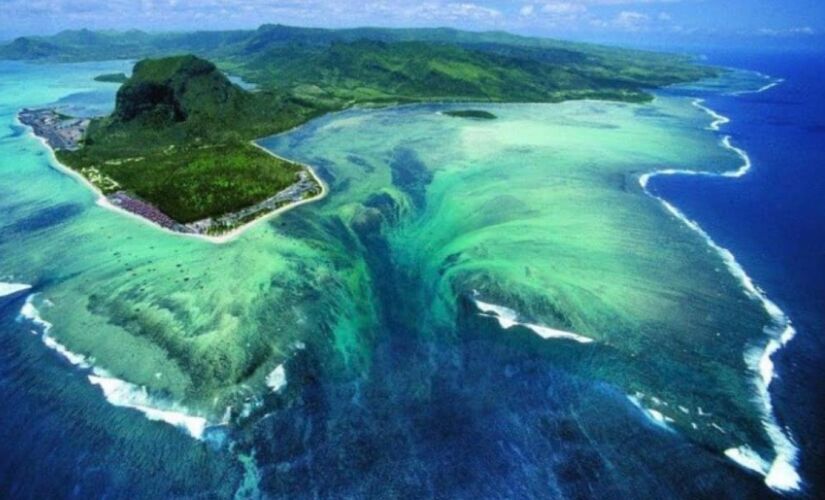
(451, 12)
(628, 20)
(795, 31)
(549, 17)
(603, 15)
(626, 2)
(563, 8)
(471, 10)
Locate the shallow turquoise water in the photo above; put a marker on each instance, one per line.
(394, 382)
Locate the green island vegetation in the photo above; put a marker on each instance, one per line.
(179, 137)
(112, 78)
(478, 114)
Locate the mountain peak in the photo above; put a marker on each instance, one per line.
(176, 89)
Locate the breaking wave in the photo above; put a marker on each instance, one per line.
(781, 473)
(12, 288)
(117, 392)
(508, 318)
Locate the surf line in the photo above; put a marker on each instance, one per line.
(780, 474)
(508, 318)
(116, 391)
(773, 83)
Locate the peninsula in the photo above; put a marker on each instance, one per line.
(169, 152)
(179, 147)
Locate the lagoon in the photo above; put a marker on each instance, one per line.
(368, 300)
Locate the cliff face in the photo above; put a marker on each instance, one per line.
(177, 89)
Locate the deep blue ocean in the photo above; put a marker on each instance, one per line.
(773, 220)
(60, 439)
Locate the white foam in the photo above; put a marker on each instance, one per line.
(782, 474)
(123, 394)
(763, 88)
(718, 120)
(30, 312)
(508, 318)
(12, 288)
(749, 459)
(746, 160)
(769, 86)
(655, 416)
(227, 415)
(778, 475)
(276, 379)
(76, 359)
(117, 392)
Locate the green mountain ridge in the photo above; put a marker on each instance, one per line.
(381, 64)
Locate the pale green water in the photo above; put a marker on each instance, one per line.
(539, 211)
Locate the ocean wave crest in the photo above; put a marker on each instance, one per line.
(781, 473)
(116, 391)
(508, 318)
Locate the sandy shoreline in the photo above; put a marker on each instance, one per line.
(104, 202)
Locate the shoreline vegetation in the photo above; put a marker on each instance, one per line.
(278, 183)
(120, 202)
(176, 150)
(57, 132)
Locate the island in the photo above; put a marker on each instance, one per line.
(112, 78)
(477, 114)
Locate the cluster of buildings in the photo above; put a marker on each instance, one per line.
(59, 131)
(145, 210)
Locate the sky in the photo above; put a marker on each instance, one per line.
(632, 22)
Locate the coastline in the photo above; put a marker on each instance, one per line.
(780, 473)
(103, 202)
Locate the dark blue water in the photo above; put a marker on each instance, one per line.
(773, 220)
